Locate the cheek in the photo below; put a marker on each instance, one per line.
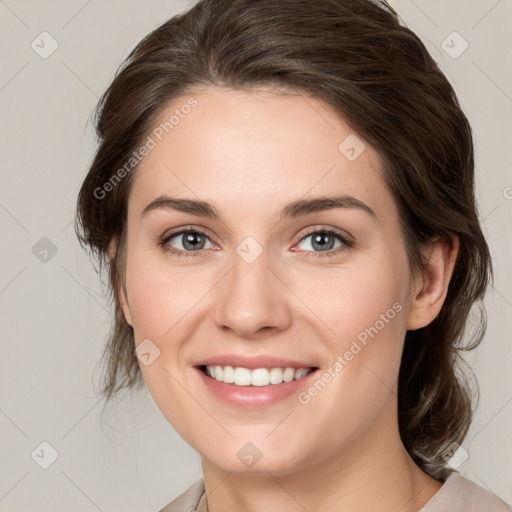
(161, 303)
(165, 301)
(353, 297)
(361, 313)
(159, 295)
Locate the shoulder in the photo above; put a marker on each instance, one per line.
(188, 501)
(459, 494)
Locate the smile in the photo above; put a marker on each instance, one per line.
(240, 376)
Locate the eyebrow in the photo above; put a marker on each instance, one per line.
(291, 210)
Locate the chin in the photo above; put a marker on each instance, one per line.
(245, 458)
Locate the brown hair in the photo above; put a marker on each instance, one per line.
(376, 73)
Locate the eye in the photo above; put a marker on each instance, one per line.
(325, 241)
(188, 241)
(318, 242)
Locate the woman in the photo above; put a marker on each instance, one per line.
(284, 195)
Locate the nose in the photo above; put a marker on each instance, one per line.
(252, 300)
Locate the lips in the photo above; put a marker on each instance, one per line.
(262, 391)
(257, 395)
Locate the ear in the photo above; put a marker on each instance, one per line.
(431, 286)
(121, 292)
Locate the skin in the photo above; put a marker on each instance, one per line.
(250, 154)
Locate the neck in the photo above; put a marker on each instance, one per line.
(373, 473)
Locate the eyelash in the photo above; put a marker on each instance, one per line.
(347, 242)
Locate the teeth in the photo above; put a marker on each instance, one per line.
(258, 377)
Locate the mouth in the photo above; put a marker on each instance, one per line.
(255, 377)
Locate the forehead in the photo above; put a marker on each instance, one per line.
(254, 149)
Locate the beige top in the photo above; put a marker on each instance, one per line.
(458, 494)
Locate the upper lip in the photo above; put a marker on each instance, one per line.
(252, 362)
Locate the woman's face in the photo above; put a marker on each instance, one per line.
(253, 282)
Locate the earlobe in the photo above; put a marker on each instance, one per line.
(120, 293)
(110, 254)
(123, 302)
(432, 286)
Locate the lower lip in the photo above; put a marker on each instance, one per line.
(254, 396)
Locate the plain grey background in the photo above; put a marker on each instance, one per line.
(54, 314)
